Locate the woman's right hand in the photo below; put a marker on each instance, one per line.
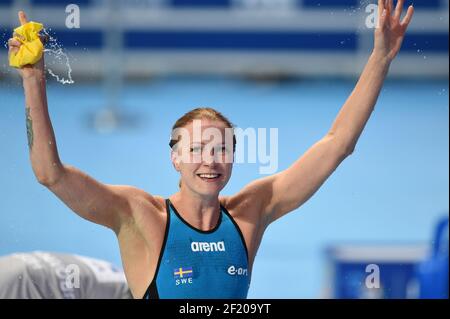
(27, 71)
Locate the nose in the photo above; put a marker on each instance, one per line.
(209, 156)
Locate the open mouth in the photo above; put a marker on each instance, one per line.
(209, 177)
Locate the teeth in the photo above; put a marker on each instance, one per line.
(209, 175)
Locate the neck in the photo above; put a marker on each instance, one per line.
(200, 212)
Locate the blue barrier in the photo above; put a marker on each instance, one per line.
(375, 271)
(242, 40)
(433, 273)
(200, 3)
(61, 2)
(429, 4)
(224, 40)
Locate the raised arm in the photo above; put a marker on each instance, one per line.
(103, 204)
(289, 189)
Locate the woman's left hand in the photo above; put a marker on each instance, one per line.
(390, 32)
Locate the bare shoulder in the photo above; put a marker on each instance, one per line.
(141, 237)
(247, 209)
(144, 210)
(251, 201)
(145, 204)
(138, 196)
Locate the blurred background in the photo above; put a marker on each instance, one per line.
(125, 70)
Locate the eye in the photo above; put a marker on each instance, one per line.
(196, 149)
(221, 149)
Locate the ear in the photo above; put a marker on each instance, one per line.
(175, 160)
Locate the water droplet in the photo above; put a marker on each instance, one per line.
(55, 50)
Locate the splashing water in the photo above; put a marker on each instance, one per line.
(57, 56)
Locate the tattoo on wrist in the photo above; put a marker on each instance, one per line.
(29, 128)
